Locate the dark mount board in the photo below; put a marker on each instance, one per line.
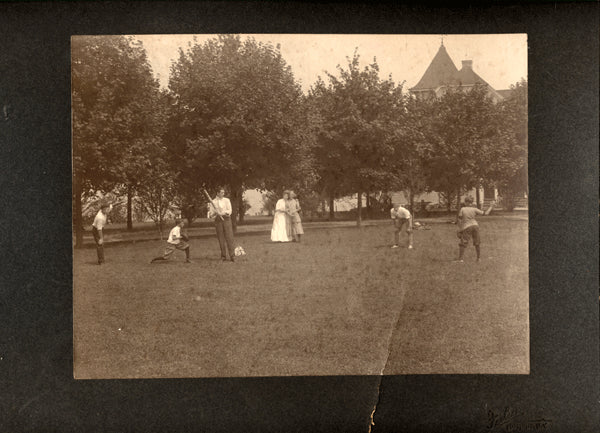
(38, 391)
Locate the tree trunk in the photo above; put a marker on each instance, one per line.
(160, 228)
(77, 212)
(235, 205)
(411, 199)
(331, 207)
(449, 201)
(457, 201)
(190, 214)
(359, 209)
(368, 204)
(161, 212)
(508, 200)
(129, 208)
(242, 207)
(478, 197)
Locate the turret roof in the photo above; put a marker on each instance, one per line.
(440, 71)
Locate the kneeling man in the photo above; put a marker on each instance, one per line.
(176, 241)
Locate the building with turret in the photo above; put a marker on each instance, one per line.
(442, 75)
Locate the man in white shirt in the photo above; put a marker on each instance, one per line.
(221, 212)
(175, 241)
(401, 218)
(99, 222)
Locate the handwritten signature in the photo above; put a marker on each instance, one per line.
(511, 420)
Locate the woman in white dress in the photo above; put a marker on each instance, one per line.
(281, 228)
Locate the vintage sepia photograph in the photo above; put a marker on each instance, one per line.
(257, 205)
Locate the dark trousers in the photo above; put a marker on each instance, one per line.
(225, 236)
(98, 238)
(471, 232)
(398, 224)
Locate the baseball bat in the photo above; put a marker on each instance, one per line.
(119, 203)
(211, 203)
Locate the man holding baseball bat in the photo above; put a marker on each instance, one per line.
(220, 210)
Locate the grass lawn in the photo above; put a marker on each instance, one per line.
(342, 302)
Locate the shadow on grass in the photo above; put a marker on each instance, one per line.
(280, 243)
(195, 260)
(442, 259)
(169, 262)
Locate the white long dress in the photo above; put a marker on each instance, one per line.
(280, 232)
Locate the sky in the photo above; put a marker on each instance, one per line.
(500, 59)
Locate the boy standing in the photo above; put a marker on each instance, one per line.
(402, 218)
(97, 226)
(468, 228)
(175, 241)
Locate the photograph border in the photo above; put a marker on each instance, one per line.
(560, 394)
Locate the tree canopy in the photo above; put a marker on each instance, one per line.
(116, 114)
(114, 109)
(239, 113)
(355, 109)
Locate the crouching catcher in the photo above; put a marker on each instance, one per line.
(176, 241)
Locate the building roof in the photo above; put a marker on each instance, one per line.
(467, 76)
(440, 71)
(505, 93)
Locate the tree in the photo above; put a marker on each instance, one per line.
(157, 194)
(465, 134)
(239, 115)
(355, 111)
(328, 153)
(114, 101)
(510, 171)
(410, 146)
(269, 200)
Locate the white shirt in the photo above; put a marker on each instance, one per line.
(223, 206)
(99, 220)
(401, 213)
(174, 235)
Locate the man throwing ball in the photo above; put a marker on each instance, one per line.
(176, 241)
(468, 228)
(402, 219)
